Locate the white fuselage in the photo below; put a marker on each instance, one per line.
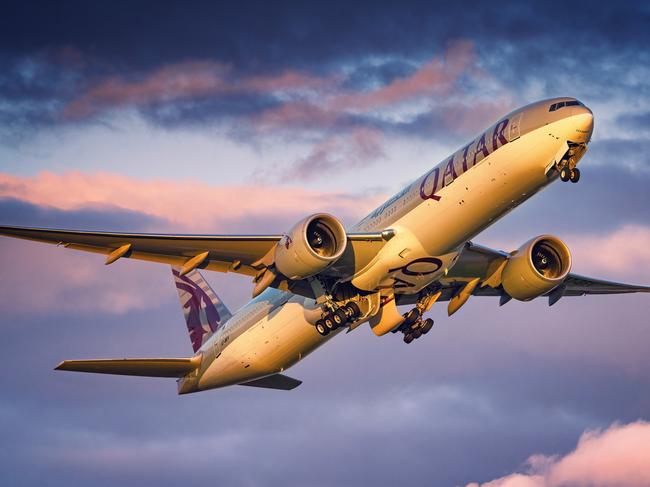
(432, 219)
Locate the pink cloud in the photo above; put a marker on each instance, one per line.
(356, 149)
(186, 205)
(42, 278)
(38, 278)
(624, 252)
(471, 116)
(295, 115)
(617, 456)
(306, 101)
(186, 80)
(438, 76)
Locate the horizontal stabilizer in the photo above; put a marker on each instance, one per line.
(275, 381)
(144, 367)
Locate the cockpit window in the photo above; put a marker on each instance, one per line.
(557, 106)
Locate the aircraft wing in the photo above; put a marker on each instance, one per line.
(224, 253)
(477, 261)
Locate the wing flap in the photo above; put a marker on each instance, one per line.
(275, 381)
(143, 367)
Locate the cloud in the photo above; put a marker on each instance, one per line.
(80, 283)
(184, 204)
(357, 149)
(195, 79)
(617, 456)
(40, 278)
(622, 252)
(435, 77)
(299, 101)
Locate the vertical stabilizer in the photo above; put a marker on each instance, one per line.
(204, 311)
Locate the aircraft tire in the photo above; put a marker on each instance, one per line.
(341, 315)
(411, 317)
(408, 338)
(417, 333)
(575, 175)
(321, 328)
(329, 322)
(565, 174)
(426, 326)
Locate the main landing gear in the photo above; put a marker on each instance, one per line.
(338, 318)
(413, 326)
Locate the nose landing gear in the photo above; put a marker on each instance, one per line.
(567, 165)
(567, 174)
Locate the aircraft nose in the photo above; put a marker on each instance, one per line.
(583, 122)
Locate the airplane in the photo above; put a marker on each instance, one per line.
(318, 279)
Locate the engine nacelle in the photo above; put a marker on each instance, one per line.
(537, 267)
(310, 246)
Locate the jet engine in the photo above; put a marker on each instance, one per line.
(537, 267)
(310, 246)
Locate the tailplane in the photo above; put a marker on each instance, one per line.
(143, 367)
(204, 311)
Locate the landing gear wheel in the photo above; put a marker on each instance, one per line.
(426, 326)
(565, 173)
(417, 333)
(329, 322)
(353, 310)
(340, 317)
(321, 328)
(408, 338)
(575, 175)
(411, 317)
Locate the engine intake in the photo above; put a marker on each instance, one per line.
(537, 267)
(312, 245)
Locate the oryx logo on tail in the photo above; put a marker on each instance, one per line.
(204, 311)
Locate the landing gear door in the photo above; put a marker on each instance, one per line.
(515, 127)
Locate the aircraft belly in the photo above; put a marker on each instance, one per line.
(270, 346)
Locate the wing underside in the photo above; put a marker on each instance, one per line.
(482, 262)
(242, 254)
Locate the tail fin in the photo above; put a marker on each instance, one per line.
(204, 311)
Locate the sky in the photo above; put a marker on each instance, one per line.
(243, 117)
